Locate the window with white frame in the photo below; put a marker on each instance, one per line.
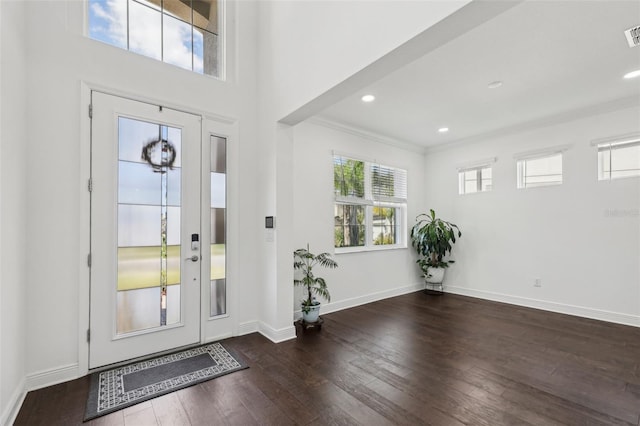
(370, 205)
(619, 158)
(540, 170)
(180, 32)
(475, 179)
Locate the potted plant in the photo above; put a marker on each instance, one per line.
(433, 239)
(305, 261)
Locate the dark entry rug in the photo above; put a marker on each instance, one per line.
(113, 390)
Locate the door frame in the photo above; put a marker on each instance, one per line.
(212, 123)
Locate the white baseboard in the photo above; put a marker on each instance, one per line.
(561, 308)
(52, 376)
(327, 308)
(12, 409)
(277, 336)
(248, 328)
(217, 338)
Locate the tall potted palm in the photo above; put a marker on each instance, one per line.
(433, 239)
(305, 261)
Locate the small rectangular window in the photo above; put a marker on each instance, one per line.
(619, 159)
(476, 179)
(540, 171)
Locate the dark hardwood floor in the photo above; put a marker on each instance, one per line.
(413, 359)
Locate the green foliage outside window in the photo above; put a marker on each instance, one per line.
(349, 226)
(384, 225)
(348, 177)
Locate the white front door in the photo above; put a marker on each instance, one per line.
(145, 217)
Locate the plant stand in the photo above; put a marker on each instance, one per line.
(434, 289)
(304, 326)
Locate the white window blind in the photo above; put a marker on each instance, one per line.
(388, 184)
(540, 171)
(619, 158)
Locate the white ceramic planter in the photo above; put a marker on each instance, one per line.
(312, 315)
(435, 275)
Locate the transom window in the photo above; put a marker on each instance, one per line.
(179, 32)
(370, 205)
(541, 170)
(475, 179)
(619, 159)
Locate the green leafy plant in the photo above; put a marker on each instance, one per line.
(305, 261)
(433, 239)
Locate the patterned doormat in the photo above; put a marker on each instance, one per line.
(113, 390)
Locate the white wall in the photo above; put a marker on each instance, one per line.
(305, 49)
(13, 188)
(363, 276)
(582, 239)
(59, 59)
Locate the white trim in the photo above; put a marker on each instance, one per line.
(476, 164)
(219, 118)
(562, 308)
(614, 140)
(543, 152)
(248, 328)
(551, 120)
(14, 404)
(277, 336)
(84, 238)
(222, 40)
(365, 134)
(364, 159)
(52, 376)
(168, 103)
(365, 248)
(367, 298)
(218, 337)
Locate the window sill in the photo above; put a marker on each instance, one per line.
(360, 249)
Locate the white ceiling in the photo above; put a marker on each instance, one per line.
(555, 59)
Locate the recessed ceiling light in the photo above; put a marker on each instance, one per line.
(368, 98)
(443, 129)
(494, 84)
(632, 74)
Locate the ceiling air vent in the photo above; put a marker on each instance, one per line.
(633, 36)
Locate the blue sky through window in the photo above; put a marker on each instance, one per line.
(108, 23)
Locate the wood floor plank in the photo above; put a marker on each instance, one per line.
(412, 359)
(169, 411)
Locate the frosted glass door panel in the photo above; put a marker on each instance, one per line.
(148, 225)
(138, 184)
(218, 190)
(135, 135)
(138, 267)
(136, 312)
(138, 225)
(173, 226)
(218, 225)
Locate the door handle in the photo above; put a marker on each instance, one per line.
(193, 258)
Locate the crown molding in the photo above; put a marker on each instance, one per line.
(365, 134)
(565, 117)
